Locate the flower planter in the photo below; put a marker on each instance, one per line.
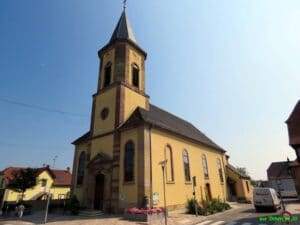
(150, 215)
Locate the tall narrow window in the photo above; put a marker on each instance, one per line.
(219, 165)
(186, 165)
(129, 162)
(169, 158)
(80, 170)
(107, 75)
(135, 75)
(205, 167)
(247, 184)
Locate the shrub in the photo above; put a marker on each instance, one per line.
(208, 207)
(215, 205)
(73, 205)
(191, 205)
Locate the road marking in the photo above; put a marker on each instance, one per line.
(217, 223)
(205, 222)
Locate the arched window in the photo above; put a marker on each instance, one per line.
(80, 169)
(129, 162)
(135, 76)
(205, 167)
(186, 165)
(107, 75)
(219, 164)
(169, 168)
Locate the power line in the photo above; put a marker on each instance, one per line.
(34, 146)
(41, 108)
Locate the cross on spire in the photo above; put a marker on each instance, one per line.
(124, 4)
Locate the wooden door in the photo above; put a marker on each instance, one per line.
(99, 192)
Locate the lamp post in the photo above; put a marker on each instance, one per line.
(163, 166)
(49, 195)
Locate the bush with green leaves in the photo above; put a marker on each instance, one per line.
(215, 205)
(191, 205)
(207, 207)
(73, 205)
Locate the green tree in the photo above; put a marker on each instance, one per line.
(243, 171)
(22, 180)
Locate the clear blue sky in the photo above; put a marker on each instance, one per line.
(230, 67)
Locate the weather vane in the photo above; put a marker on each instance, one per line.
(124, 4)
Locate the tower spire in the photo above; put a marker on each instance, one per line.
(123, 30)
(124, 4)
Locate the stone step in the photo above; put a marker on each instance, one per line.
(91, 213)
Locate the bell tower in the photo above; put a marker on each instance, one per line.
(121, 82)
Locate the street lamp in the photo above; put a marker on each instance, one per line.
(163, 166)
(49, 195)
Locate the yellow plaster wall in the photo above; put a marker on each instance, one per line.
(240, 185)
(105, 100)
(159, 140)
(59, 190)
(128, 191)
(242, 191)
(11, 195)
(102, 144)
(132, 101)
(232, 175)
(109, 56)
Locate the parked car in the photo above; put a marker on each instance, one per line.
(265, 199)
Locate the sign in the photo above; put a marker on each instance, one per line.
(155, 198)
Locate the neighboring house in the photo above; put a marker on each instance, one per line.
(117, 162)
(293, 123)
(2, 188)
(262, 183)
(55, 182)
(280, 179)
(239, 187)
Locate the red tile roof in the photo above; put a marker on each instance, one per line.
(61, 177)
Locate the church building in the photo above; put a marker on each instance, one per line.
(118, 162)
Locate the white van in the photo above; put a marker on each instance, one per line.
(265, 198)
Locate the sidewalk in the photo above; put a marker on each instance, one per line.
(179, 217)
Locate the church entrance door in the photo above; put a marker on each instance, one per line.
(99, 192)
(208, 192)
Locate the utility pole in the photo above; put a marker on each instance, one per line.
(49, 194)
(163, 166)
